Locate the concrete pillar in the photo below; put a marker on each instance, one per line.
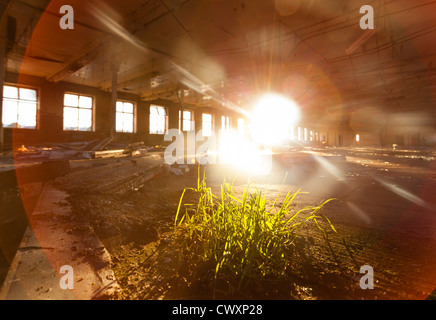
(115, 68)
(3, 42)
(182, 106)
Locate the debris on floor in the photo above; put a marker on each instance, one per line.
(94, 149)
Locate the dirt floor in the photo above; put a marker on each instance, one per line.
(12, 225)
(13, 221)
(384, 214)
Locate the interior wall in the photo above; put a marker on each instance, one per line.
(50, 115)
(50, 121)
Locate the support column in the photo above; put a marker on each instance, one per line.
(114, 99)
(7, 37)
(3, 42)
(182, 106)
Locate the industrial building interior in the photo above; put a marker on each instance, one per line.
(114, 113)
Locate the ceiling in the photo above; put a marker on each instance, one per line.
(225, 53)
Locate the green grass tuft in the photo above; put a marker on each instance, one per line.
(245, 237)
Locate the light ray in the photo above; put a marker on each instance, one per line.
(403, 193)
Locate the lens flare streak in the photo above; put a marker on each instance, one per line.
(403, 193)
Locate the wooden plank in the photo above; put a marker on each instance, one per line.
(102, 144)
(109, 153)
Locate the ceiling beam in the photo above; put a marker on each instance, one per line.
(147, 71)
(81, 59)
(132, 81)
(155, 94)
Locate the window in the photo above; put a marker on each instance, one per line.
(207, 125)
(125, 117)
(158, 120)
(241, 126)
(225, 125)
(188, 121)
(19, 107)
(78, 111)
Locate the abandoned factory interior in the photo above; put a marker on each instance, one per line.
(217, 150)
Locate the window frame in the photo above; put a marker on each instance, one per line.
(191, 121)
(211, 123)
(225, 125)
(134, 113)
(92, 129)
(37, 111)
(165, 119)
